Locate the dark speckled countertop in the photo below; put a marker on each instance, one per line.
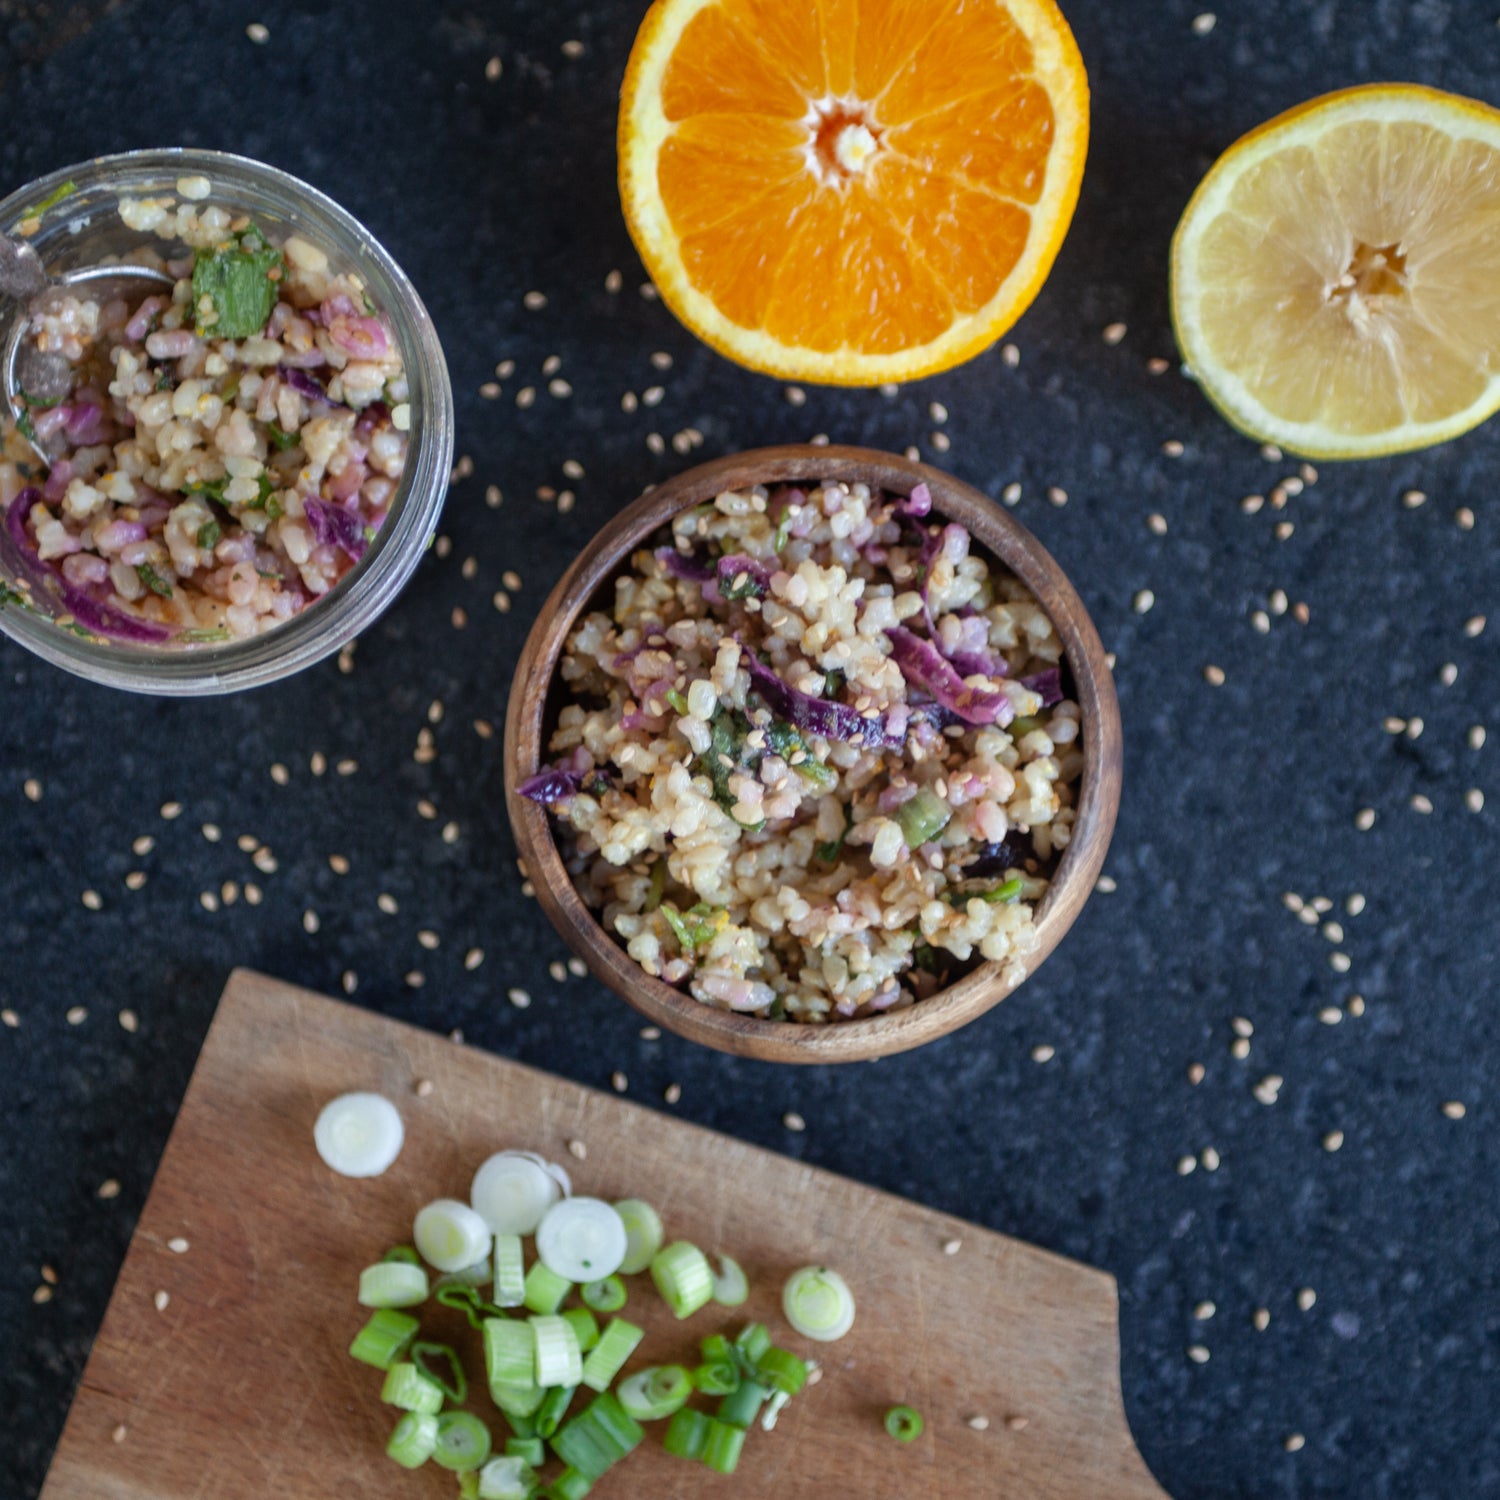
(1235, 794)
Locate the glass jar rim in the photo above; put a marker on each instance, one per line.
(330, 623)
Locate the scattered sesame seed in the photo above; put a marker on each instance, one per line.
(1011, 493)
(940, 442)
(526, 396)
(1421, 804)
(1010, 355)
(618, 1081)
(1251, 504)
(1213, 676)
(559, 388)
(177, 1245)
(1333, 1140)
(1448, 675)
(793, 1121)
(1393, 725)
(978, 1422)
(77, 1015)
(349, 981)
(1305, 1298)
(577, 968)
(135, 880)
(118, 1435)
(1195, 1073)
(310, 922)
(428, 939)
(1156, 524)
(672, 1093)
(450, 833)
(1411, 499)
(387, 904)
(1355, 1005)
(1474, 626)
(1261, 621)
(1241, 1026)
(1057, 495)
(161, 1299)
(1114, 333)
(1239, 1048)
(252, 893)
(424, 1088)
(490, 390)
(519, 998)
(1301, 613)
(1106, 885)
(280, 775)
(42, 1294)
(129, 1021)
(1294, 1442)
(1261, 1319)
(493, 69)
(1277, 601)
(1204, 23)
(1474, 799)
(578, 1150)
(1455, 1110)
(208, 901)
(1268, 1089)
(952, 1247)
(1043, 1053)
(109, 1188)
(613, 282)
(414, 980)
(264, 861)
(1186, 1165)
(1339, 962)
(31, 789)
(1270, 452)
(473, 958)
(1283, 531)
(1143, 601)
(534, 301)
(1364, 819)
(1330, 1015)
(1172, 448)
(648, 1033)
(93, 900)
(1198, 1353)
(258, 33)
(1018, 1424)
(1204, 1311)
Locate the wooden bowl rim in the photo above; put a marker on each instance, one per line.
(870, 1036)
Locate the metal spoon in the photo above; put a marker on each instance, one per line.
(28, 371)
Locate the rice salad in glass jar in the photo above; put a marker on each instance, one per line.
(226, 448)
(817, 757)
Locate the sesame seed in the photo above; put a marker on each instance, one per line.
(387, 904)
(451, 833)
(657, 444)
(647, 291)
(1277, 601)
(161, 1299)
(1213, 676)
(618, 1081)
(1011, 493)
(1330, 1015)
(1106, 884)
(534, 301)
(1156, 523)
(937, 412)
(129, 1021)
(1455, 1110)
(493, 69)
(252, 893)
(1364, 819)
(93, 900)
(1284, 530)
(280, 775)
(1448, 674)
(473, 958)
(526, 396)
(578, 1150)
(1241, 1027)
(1251, 504)
(1198, 1353)
(1172, 448)
(1158, 366)
(1018, 1424)
(143, 845)
(559, 388)
(1204, 1311)
(428, 939)
(1204, 23)
(1210, 1159)
(177, 1245)
(31, 789)
(1114, 333)
(1355, 1005)
(77, 1015)
(1239, 1049)
(652, 395)
(1294, 1442)
(519, 998)
(208, 901)
(672, 1093)
(978, 1422)
(135, 879)
(1301, 613)
(258, 33)
(577, 968)
(1305, 1298)
(1261, 621)
(1195, 1073)
(118, 1435)
(1186, 1165)
(952, 1247)
(793, 1121)
(349, 981)
(109, 1188)
(264, 861)
(414, 980)
(1333, 1140)
(1010, 355)
(1270, 452)
(1393, 725)
(42, 1294)
(1043, 1053)
(1339, 962)
(1261, 1319)
(572, 468)
(613, 282)
(1268, 1089)
(1421, 804)
(1057, 495)
(1474, 626)
(1474, 799)
(423, 1088)
(940, 442)
(490, 390)
(1411, 499)
(1464, 518)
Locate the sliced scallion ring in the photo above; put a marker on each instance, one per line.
(452, 1381)
(414, 1439)
(407, 1387)
(818, 1303)
(682, 1276)
(509, 1271)
(512, 1191)
(450, 1235)
(509, 1354)
(583, 1239)
(385, 1338)
(559, 1361)
(507, 1478)
(731, 1285)
(904, 1423)
(463, 1441)
(643, 1234)
(608, 1295)
(392, 1283)
(359, 1135)
(650, 1395)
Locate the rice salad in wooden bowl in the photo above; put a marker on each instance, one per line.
(818, 757)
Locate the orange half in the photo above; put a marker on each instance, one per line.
(851, 191)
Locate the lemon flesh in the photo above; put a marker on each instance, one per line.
(1336, 277)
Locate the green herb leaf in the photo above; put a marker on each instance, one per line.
(210, 489)
(37, 404)
(238, 283)
(1006, 892)
(56, 196)
(829, 853)
(26, 427)
(658, 883)
(783, 530)
(164, 381)
(153, 580)
(209, 534)
(677, 701)
(282, 440)
(784, 740)
(833, 684)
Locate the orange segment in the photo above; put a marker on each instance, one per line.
(851, 191)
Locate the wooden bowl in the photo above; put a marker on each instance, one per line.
(534, 705)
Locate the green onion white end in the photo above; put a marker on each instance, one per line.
(450, 1235)
(512, 1191)
(643, 1234)
(731, 1285)
(582, 1239)
(392, 1283)
(359, 1135)
(817, 1302)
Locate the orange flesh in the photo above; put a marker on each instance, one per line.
(782, 233)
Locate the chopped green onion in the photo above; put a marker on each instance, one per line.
(456, 1389)
(210, 533)
(558, 1358)
(479, 1274)
(608, 1295)
(923, 817)
(585, 1328)
(650, 1395)
(450, 1235)
(571, 1484)
(582, 1239)
(1022, 725)
(529, 1449)
(607, 1358)
(512, 1190)
(904, 1424)
(56, 196)
(741, 1407)
(828, 853)
(468, 1301)
(773, 1410)
(507, 1478)
(518, 1402)
(675, 698)
(509, 1354)
(817, 1302)
(643, 1234)
(553, 1409)
(782, 1371)
(721, 1448)
(403, 1255)
(716, 1347)
(509, 1271)
(413, 1440)
(523, 1427)
(468, 1484)
(717, 1377)
(463, 1441)
(392, 1284)
(687, 1434)
(1006, 892)
(683, 1277)
(385, 1338)
(281, 439)
(752, 1341)
(407, 1387)
(657, 889)
(731, 1285)
(599, 1436)
(544, 1289)
(783, 529)
(238, 283)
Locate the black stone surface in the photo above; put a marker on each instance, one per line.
(486, 190)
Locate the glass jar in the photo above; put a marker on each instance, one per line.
(85, 228)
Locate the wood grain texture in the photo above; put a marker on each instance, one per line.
(240, 1389)
(535, 701)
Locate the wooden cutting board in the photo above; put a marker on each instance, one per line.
(239, 1387)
